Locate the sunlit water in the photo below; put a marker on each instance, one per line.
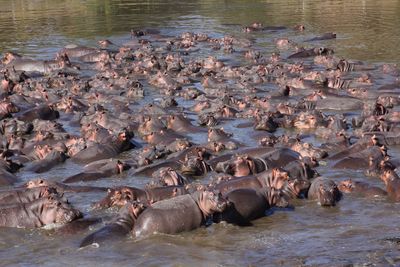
(353, 232)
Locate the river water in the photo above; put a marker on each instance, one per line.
(352, 233)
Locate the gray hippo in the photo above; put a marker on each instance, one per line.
(249, 204)
(38, 213)
(325, 191)
(119, 228)
(25, 195)
(179, 214)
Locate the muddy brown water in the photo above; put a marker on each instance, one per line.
(353, 232)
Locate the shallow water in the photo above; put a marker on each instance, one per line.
(353, 232)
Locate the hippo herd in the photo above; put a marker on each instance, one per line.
(220, 140)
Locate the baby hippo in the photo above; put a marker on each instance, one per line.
(119, 228)
(38, 213)
(179, 214)
(325, 191)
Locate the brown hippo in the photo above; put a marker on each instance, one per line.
(178, 214)
(117, 229)
(392, 182)
(38, 213)
(249, 204)
(360, 188)
(325, 191)
(25, 195)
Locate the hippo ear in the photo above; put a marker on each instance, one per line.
(175, 191)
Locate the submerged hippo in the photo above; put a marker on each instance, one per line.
(179, 214)
(360, 188)
(118, 228)
(38, 213)
(392, 182)
(325, 191)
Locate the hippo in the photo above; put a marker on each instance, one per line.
(25, 195)
(119, 196)
(61, 188)
(249, 204)
(271, 178)
(325, 36)
(38, 213)
(117, 229)
(392, 182)
(301, 169)
(107, 149)
(360, 188)
(180, 124)
(179, 214)
(45, 164)
(318, 51)
(325, 191)
(167, 176)
(42, 112)
(99, 169)
(41, 66)
(241, 165)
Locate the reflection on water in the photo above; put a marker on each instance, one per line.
(367, 29)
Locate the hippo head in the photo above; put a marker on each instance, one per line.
(170, 177)
(215, 134)
(265, 123)
(297, 188)
(308, 122)
(9, 107)
(388, 176)
(116, 197)
(37, 183)
(195, 166)
(328, 194)
(346, 186)
(241, 165)
(134, 209)
(210, 202)
(275, 177)
(275, 197)
(55, 210)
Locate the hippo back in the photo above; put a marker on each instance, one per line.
(169, 216)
